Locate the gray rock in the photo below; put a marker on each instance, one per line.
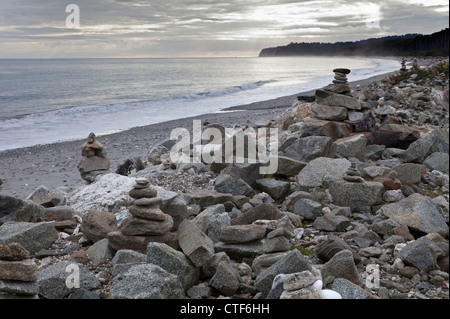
(39, 194)
(228, 184)
(442, 206)
(352, 146)
(174, 262)
(32, 236)
(328, 249)
(135, 226)
(278, 190)
(154, 156)
(248, 172)
(438, 161)
(357, 196)
(393, 196)
(320, 169)
(83, 294)
(349, 290)
(300, 280)
(308, 209)
(207, 198)
(264, 261)
(424, 147)
(308, 148)
(288, 166)
(210, 268)
(374, 152)
(262, 211)
(19, 288)
(212, 220)
(126, 256)
(332, 223)
(14, 209)
(55, 281)
(147, 281)
(242, 234)
(408, 173)
(419, 213)
(292, 262)
(276, 244)
(195, 244)
(177, 207)
(421, 253)
(100, 252)
(334, 99)
(226, 279)
(237, 251)
(330, 113)
(97, 224)
(341, 265)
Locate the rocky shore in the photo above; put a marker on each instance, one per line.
(357, 208)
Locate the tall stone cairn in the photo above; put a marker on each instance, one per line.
(93, 161)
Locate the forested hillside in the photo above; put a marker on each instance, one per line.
(436, 44)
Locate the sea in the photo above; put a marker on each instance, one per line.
(45, 101)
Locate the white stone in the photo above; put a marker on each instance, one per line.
(329, 294)
(108, 192)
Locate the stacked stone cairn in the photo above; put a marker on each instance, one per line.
(334, 102)
(147, 224)
(94, 161)
(403, 68)
(353, 175)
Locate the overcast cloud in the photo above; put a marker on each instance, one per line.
(169, 28)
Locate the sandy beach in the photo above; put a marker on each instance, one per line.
(55, 165)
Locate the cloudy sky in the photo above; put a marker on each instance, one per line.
(177, 28)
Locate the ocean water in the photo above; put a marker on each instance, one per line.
(49, 100)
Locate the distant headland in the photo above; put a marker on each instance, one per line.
(436, 44)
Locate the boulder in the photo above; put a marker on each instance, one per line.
(314, 174)
(438, 161)
(174, 262)
(422, 254)
(292, 262)
(14, 209)
(262, 211)
(418, 151)
(226, 279)
(194, 243)
(419, 213)
(53, 280)
(97, 224)
(308, 209)
(277, 189)
(108, 192)
(242, 234)
(337, 100)
(308, 148)
(341, 265)
(348, 290)
(409, 173)
(147, 281)
(32, 236)
(357, 196)
(352, 146)
(330, 113)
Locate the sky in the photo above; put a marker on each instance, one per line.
(201, 28)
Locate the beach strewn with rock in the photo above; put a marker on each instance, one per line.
(358, 207)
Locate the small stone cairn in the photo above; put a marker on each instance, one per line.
(352, 175)
(94, 161)
(403, 68)
(340, 81)
(147, 223)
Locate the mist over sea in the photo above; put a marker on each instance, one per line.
(49, 100)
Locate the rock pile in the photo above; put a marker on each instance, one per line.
(346, 216)
(93, 161)
(147, 222)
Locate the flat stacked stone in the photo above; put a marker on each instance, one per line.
(403, 68)
(93, 161)
(352, 175)
(16, 265)
(147, 224)
(340, 81)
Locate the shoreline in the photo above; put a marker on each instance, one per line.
(54, 165)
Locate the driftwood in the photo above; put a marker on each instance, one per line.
(126, 168)
(390, 139)
(366, 124)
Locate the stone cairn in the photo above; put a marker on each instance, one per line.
(147, 224)
(403, 68)
(335, 101)
(93, 161)
(352, 175)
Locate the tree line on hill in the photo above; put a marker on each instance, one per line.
(436, 44)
